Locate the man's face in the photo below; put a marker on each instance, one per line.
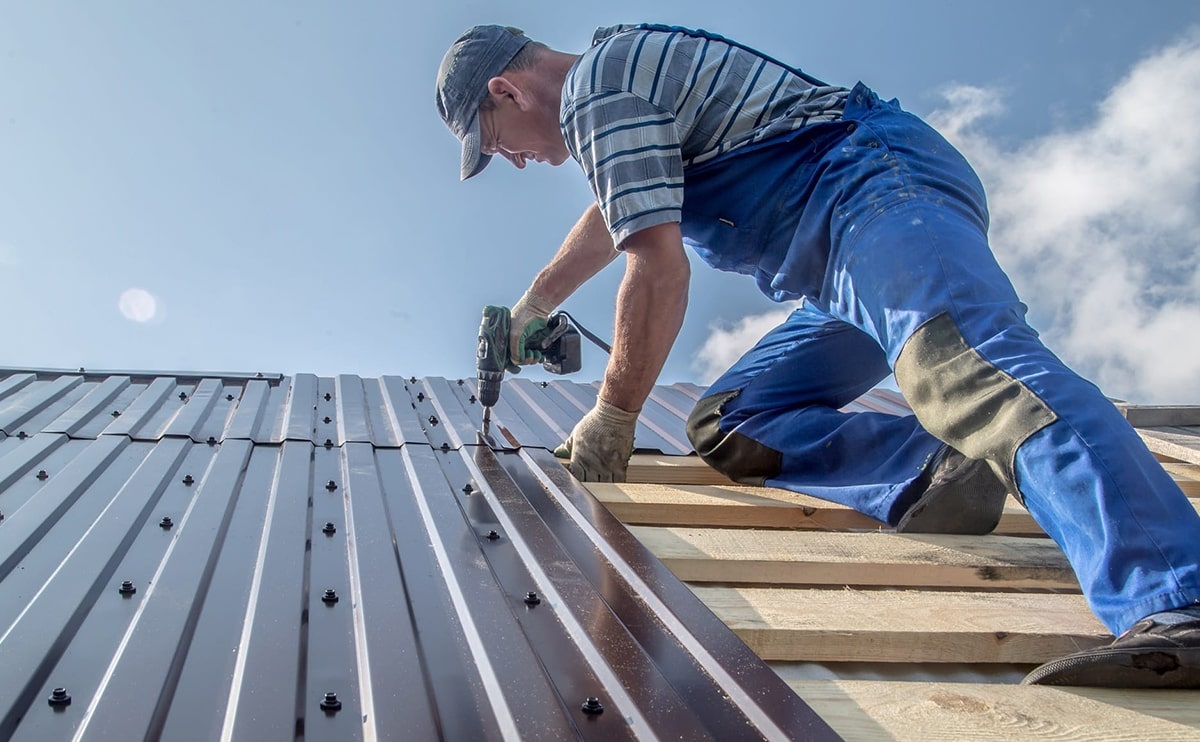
(521, 135)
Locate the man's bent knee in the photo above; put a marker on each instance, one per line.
(965, 400)
(738, 457)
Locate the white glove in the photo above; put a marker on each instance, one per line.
(528, 318)
(600, 445)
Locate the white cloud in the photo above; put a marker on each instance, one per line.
(728, 341)
(1098, 227)
(138, 305)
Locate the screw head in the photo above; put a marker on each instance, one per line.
(328, 443)
(328, 396)
(42, 475)
(545, 384)
(413, 380)
(330, 702)
(116, 413)
(330, 597)
(127, 588)
(326, 420)
(22, 435)
(228, 397)
(59, 697)
(472, 399)
(445, 446)
(531, 598)
(187, 479)
(166, 522)
(460, 382)
(492, 535)
(212, 441)
(468, 489)
(433, 420)
(331, 485)
(183, 396)
(592, 706)
(420, 396)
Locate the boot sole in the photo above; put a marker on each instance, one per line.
(1134, 667)
(971, 505)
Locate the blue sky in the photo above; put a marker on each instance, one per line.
(274, 177)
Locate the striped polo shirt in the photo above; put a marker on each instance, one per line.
(641, 106)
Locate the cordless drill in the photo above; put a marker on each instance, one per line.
(559, 344)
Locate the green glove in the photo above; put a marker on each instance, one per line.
(600, 445)
(528, 319)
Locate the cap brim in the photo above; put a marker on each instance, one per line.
(473, 161)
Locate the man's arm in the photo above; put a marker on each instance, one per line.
(587, 249)
(650, 309)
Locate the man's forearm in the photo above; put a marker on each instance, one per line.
(650, 308)
(587, 249)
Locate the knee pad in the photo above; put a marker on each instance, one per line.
(738, 457)
(965, 400)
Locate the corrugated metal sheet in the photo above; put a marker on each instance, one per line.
(388, 411)
(208, 558)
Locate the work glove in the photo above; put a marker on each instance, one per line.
(600, 445)
(528, 318)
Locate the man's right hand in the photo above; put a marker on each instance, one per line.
(529, 316)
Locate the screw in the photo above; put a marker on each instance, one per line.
(472, 399)
(468, 489)
(592, 706)
(329, 529)
(328, 396)
(127, 588)
(413, 380)
(326, 420)
(187, 479)
(330, 702)
(460, 382)
(531, 598)
(59, 697)
(22, 435)
(331, 485)
(445, 446)
(183, 396)
(420, 396)
(212, 441)
(328, 443)
(116, 413)
(492, 535)
(228, 397)
(330, 597)
(166, 522)
(42, 475)
(545, 384)
(433, 420)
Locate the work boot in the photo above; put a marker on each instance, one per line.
(963, 497)
(1160, 651)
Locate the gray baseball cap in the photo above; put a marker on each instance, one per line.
(480, 54)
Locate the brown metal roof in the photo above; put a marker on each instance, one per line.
(197, 557)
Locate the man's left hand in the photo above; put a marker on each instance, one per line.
(601, 443)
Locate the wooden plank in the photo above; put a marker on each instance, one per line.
(1180, 444)
(1187, 476)
(920, 626)
(873, 710)
(760, 557)
(1155, 416)
(663, 469)
(755, 507)
(763, 507)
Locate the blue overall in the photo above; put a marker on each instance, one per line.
(881, 226)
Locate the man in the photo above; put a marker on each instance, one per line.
(836, 197)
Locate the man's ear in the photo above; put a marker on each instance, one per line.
(504, 88)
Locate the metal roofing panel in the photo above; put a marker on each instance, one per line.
(439, 586)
